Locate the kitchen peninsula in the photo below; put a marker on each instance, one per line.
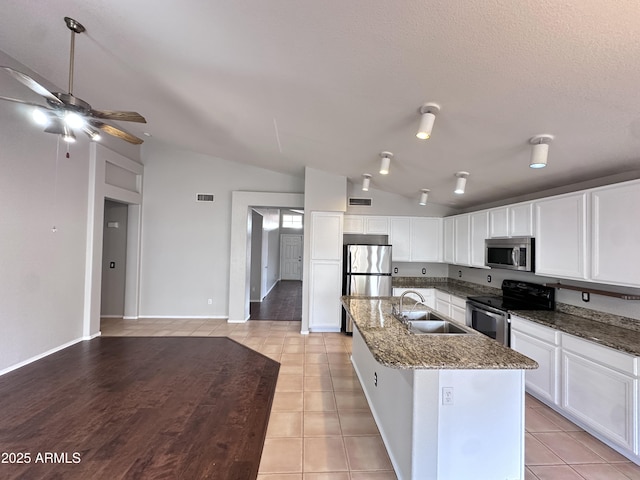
(447, 406)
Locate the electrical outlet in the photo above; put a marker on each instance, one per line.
(460, 273)
(424, 271)
(488, 278)
(210, 301)
(586, 296)
(447, 395)
(395, 270)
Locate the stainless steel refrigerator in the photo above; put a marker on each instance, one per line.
(367, 272)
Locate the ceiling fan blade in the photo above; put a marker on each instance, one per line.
(117, 115)
(15, 100)
(116, 132)
(32, 84)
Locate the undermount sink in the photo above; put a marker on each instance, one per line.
(430, 327)
(412, 315)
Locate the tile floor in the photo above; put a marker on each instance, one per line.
(322, 429)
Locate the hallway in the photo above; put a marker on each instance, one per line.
(284, 302)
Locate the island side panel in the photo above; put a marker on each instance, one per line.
(481, 431)
(390, 396)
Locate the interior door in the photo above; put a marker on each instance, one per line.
(291, 257)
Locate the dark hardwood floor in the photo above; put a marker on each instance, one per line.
(138, 408)
(284, 302)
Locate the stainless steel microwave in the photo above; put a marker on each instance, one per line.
(515, 253)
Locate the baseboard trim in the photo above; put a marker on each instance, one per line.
(42, 355)
(111, 316)
(130, 318)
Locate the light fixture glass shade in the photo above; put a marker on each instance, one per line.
(73, 120)
(92, 134)
(384, 164)
(424, 196)
(461, 182)
(539, 154)
(40, 117)
(68, 135)
(366, 180)
(426, 125)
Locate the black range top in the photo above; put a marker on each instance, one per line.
(520, 296)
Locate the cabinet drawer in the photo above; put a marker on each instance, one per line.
(445, 297)
(458, 302)
(603, 355)
(540, 332)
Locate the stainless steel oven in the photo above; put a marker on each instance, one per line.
(490, 321)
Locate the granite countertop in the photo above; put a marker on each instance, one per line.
(613, 331)
(393, 346)
(609, 335)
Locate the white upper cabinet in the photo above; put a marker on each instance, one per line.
(400, 238)
(426, 239)
(353, 224)
(416, 239)
(499, 222)
(521, 220)
(615, 234)
(326, 236)
(512, 221)
(448, 249)
(462, 255)
(376, 225)
(561, 236)
(366, 224)
(479, 232)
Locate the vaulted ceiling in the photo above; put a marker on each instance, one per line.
(330, 84)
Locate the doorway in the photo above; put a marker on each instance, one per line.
(114, 259)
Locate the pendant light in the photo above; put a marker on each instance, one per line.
(424, 196)
(385, 162)
(540, 150)
(461, 182)
(366, 180)
(428, 113)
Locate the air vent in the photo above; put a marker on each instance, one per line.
(205, 197)
(359, 202)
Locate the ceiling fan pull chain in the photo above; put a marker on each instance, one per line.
(54, 229)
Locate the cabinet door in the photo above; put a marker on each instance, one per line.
(600, 397)
(325, 289)
(400, 238)
(326, 236)
(376, 225)
(479, 232)
(462, 239)
(561, 236)
(521, 220)
(499, 222)
(544, 381)
(449, 240)
(353, 224)
(426, 239)
(615, 254)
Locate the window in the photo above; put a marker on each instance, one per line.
(291, 221)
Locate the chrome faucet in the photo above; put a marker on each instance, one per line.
(407, 292)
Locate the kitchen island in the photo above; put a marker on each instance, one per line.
(448, 407)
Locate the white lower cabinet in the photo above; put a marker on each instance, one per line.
(541, 344)
(592, 385)
(601, 392)
(427, 293)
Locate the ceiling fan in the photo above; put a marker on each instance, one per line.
(65, 112)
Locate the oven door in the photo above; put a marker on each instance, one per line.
(491, 322)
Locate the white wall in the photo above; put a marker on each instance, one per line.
(185, 244)
(42, 285)
(384, 203)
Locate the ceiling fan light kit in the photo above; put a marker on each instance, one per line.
(66, 112)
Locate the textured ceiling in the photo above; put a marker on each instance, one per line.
(331, 84)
